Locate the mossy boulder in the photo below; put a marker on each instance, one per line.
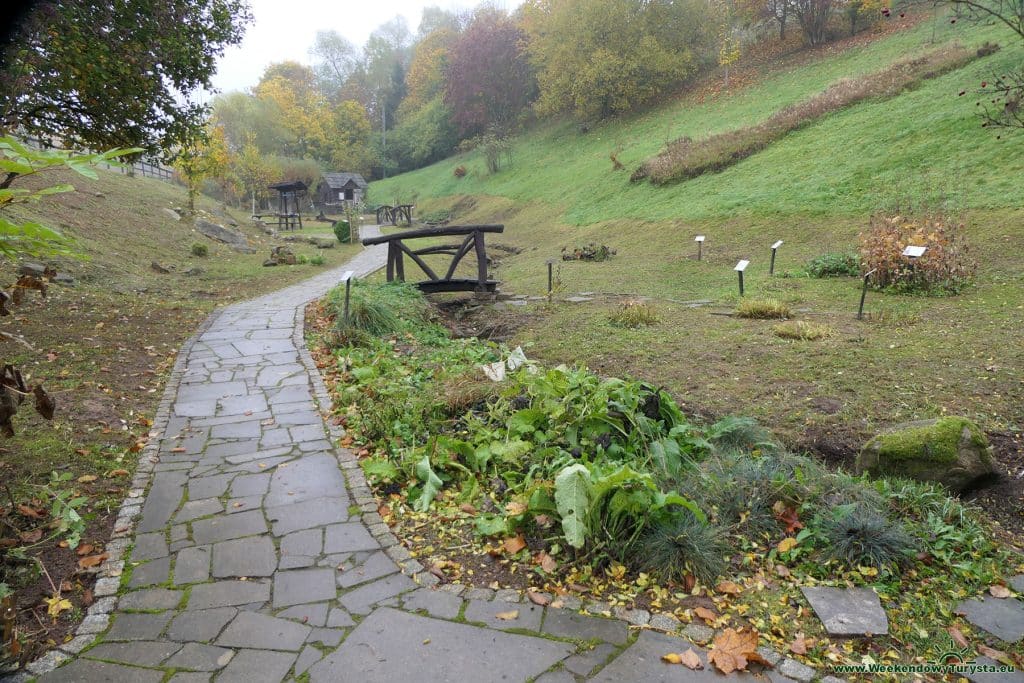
(952, 451)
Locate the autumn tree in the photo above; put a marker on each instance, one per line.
(101, 74)
(489, 78)
(335, 60)
(595, 58)
(203, 156)
(813, 16)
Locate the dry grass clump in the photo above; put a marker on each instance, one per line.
(686, 158)
(763, 309)
(802, 330)
(634, 314)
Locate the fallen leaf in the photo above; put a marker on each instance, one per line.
(515, 508)
(507, 616)
(515, 544)
(705, 614)
(178, 449)
(117, 473)
(957, 636)
(729, 588)
(31, 536)
(87, 478)
(998, 591)
(782, 570)
(29, 512)
(82, 451)
(546, 562)
(544, 521)
(799, 645)
(56, 605)
(786, 544)
(672, 658)
(538, 598)
(786, 514)
(689, 581)
(468, 509)
(84, 549)
(997, 655)
(87, 597)
(92, 560)
(691, 660)
(733, 649)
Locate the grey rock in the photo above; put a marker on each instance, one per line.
(172, 214)
(848, 611)
(555, 677)
(201, 625)
(198, 657)
(1017, 583)
(699, 633)
(94, 623)
(227, 593)
(218, 232)
(259, 631)
(303, 585)
(797, 671)
(48, 662)
(326, 636)
(32, 268)
(992, 676)
(150, 599)
(307, 658)
(244, 557)
(138, 626)
(339, 618)
(1002, 618)
(389, 646)
(252, 666)
(566, 624)
(527, 616)
(664, 622)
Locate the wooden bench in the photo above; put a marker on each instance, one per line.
(473, 240)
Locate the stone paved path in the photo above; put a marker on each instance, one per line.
(255, 553)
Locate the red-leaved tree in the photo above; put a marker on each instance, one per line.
(489, 80)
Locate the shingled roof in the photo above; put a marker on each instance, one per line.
(338, 181)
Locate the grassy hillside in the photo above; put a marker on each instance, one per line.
(924, 142)
(914, 357)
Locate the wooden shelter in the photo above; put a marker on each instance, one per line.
(335, 190)
(288, 214)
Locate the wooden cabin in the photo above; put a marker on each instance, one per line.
(335, 190)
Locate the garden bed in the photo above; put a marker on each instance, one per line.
(582, 487)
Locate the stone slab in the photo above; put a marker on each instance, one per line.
(314, 614)
(848, 611)
(389, 646)
(227, 593)
(149, 547)
(227, 527)
(200, 625)
(194, 509)
(347, 538)
(192, 565)
(527, 616)
(1017, 583)
(435, 603)
(303, 585)
(198, 657)
(140, 653)
(567, 624)
(152, 573)
(138, 626)
(993, 674)
(311, 477)
(262, 632)
(150, 599)
(82, 670)
(375, 567)
(244, 557)
(641, 661)
(308, 514)
(1002, 618)
(258, 666)
(362, 599)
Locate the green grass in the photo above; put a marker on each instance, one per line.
(898, 147)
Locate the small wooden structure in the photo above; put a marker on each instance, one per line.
(337, 190)
(390, 215)
(288, 216)
(474, 239)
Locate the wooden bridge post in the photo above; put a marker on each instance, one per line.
(481, 261)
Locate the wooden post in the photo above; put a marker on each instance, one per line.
(7, 616)
(347, 278)
(551, 281)
(399, 265)
(481, 261)
(392, 249)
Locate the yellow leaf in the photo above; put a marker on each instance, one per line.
(672, 658)
(86, 478)
(787, 544)
(507, 616)
(56, 605)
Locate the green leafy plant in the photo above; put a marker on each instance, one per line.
(834, 264)
(634, 314)
(588, 252)
(342, 230)
(683, 545)
(860, 536)
(316, 260)
(762, 309)
(199, 249)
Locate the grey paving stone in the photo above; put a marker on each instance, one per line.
(45, 664)
(310, 432)
(556, 677)
(208, 487)
(797, 671)
(226, 527)
(318, 446)
(195, 509)
(85, 670)
(300, 586)
(227, 593)
(307, 658)
(268, 457)
(699, 633)
(585, 662)
(308, 514)
(435, 603)
(1002, 618)
(665, 622)
(527, 616)
(346, 538)
(246, 429)
(94, 623)
(1017, 583)
(189, 677)
(250, 485)
(244, 504)
(309, 542)
(138, 626)
(311, 477)
(226, 451)
(201, 625)
(339, 618)
(275, 437)
(150, 599)
(848, 611)
(289, 395)
(244, 557)
(362, 599)
(150, 573)
(259, 631)
(258, 666)
(211, 391)
(139, 653)
(199, 657)
(195, 408)
(567, 624)
(375, 566)
(192, 565)
(78, 643)
(306, 417)
(299, 562)
(150, 546)
(641, 661)
(314, 614)
(389, 646)
(240, 405)
(329, 637)
(993, 675)
(162, 500)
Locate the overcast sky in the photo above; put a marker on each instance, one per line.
(284, 29)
